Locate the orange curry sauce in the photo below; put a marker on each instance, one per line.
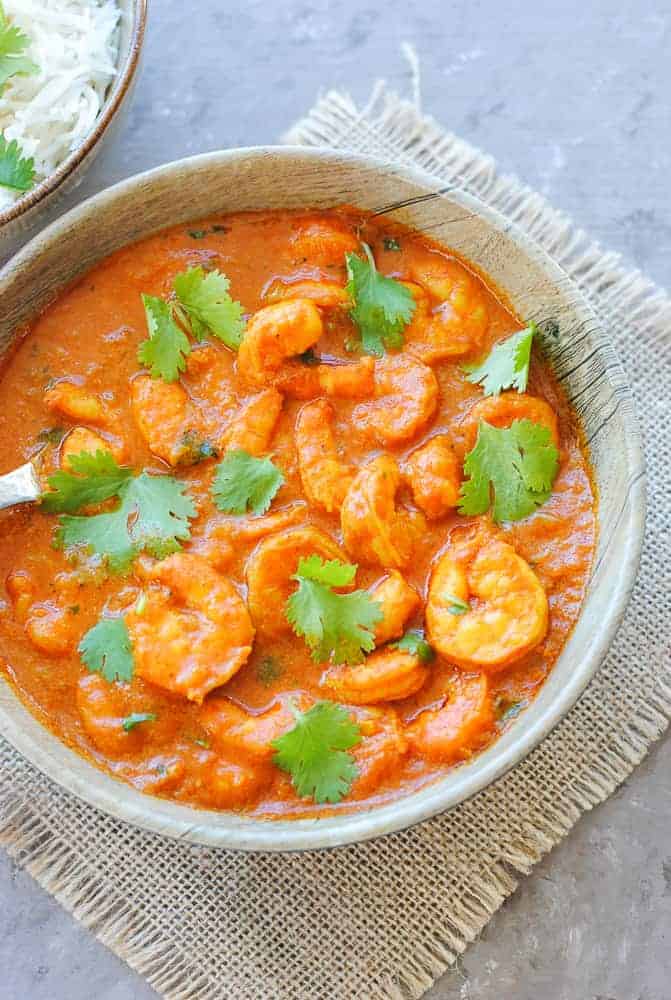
(215, 752)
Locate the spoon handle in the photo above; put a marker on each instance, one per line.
(19, 486)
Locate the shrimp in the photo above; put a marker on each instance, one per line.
(21, 589)
(461, 726)
(325, 294)
(194, 631)
(223, 536)
(50, 629)
(501, 411)
(486, 607)
(433, 473)
(325, 477)
(270, 569)
(253, 427)
(165, 418)
(457, 326)
(236, 733)
(75, 403)
(398, 601)
(382, 748)
(322, 243)
(374, 529)
(385, 675)
(275, 334)
(103, 707)
(81, 439)
(406, 397)
(226, 784)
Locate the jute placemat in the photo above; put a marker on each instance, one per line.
(385, 919)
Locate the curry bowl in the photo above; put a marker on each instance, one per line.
(573, 341)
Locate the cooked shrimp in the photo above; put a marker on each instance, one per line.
(81, 439)
(237, 733)
(458, 325)
(226, 784)
(374, 529)
(275, 334)
(224, 535)
(194, 631)
(21, 589)
(380, 752)
(325, 477)
(165, 418)
(51, 629)
(463, 725)
(433, 473)
(398, 601)
(75, 403)
(103, 708)
(406, 397)
(351, 380)
(270, 569)
(501, 411)
(486, 607)
(325, 294)
(386, 675)
(253, 427)
(323, 243)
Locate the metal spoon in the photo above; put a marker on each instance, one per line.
(20, 486)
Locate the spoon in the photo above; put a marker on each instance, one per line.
(20, 486)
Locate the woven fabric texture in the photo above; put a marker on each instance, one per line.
(383, 920)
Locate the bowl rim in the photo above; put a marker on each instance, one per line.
(235, 831)
(115, 98)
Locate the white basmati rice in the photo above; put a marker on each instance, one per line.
(75, 45)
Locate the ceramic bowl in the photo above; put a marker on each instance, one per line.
(576, 344)
(39, 205)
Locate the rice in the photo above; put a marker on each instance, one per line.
(75, 44)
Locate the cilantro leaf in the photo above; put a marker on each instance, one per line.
(381, 307)
(507, 364)
(152, 515)
(167, 347)
(315, 754)
(209, 307)
(414, 642)
(13, 43)
(457, 606)
(518, 462)
(135, 718)
(94, 478)
(16, 171)
(242, 482)
(106, 649)
(336, 627)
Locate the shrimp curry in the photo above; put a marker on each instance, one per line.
(316, 521)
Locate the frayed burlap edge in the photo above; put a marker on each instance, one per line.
(388, 125)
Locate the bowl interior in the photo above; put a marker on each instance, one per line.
(574, 341)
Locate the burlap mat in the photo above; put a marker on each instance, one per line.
(384, 919)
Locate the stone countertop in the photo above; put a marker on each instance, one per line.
(574, 98)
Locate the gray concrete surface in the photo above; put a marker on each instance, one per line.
(574, 96)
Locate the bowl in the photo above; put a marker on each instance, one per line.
(578, 348)
(36, 206)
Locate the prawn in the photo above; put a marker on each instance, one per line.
(385, 675)
(502, 410)
(325, 294)
(406, 397)
(165, 418)
(193, 632)
(382, 748)
(223, 536)
(237, 733)
(323, 243)
(374, 529)
(461, 726)
(253, 427)
(486, 608)
(49, 627)
(325, 477)
(103, 707)
(457, 325)
(75, 403)
(433, 473)
(398, 601)
(270, 569)
(81, 439)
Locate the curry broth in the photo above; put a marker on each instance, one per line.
(90, 336)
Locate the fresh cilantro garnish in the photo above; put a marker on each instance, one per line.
(207, 307)
(202, 306)
(381, 307)
(506, 709)
(135, 718)
(93, 478)
(335, 626)
(152, 514)
(197, 234)
(519, 463)
(106, 649)
(166, 350)
(196, 448)
(457, 606)
(391, 243)
(507, 364)
(16, 170)
(242, 483)
(13, 44)
(414, 642)
(315, 754)
(51, 435)
(269, 670)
